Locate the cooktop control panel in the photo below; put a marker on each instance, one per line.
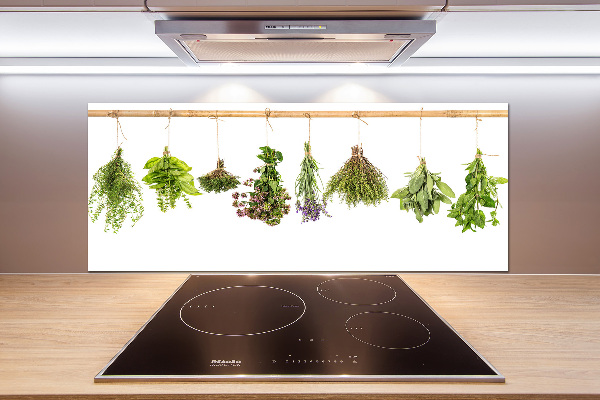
(297, 327)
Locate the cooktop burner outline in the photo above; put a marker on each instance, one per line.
(388, 347)
(320, 291)
(242, 334)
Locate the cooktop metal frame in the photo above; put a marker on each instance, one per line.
(499, 378)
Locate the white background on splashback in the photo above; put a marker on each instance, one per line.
(210, 236)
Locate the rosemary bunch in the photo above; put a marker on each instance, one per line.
(116, 190)
(420, 195)
(267, 202)
(218, 180)
(358, 181)
(307, 189)
(481, 191)
(170, 178)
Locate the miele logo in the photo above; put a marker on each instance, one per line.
(226, 363)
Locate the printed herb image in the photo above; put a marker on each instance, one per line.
(358, 181)
(267, 202)
(481, 191)
(308, 200)
(421, 195)
(116, 191)
(218, 180)
(170, 177)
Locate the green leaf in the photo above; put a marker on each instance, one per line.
(415, 183)
(445, 189)
(498, 181)
(418, 215)
(436, 205)
(429, 184)
(400, 193)
(487, 201)
(151, 162)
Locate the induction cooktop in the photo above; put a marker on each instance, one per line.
(297, 328)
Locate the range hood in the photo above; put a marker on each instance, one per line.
(383, 42)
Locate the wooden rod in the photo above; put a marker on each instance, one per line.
(302, 114)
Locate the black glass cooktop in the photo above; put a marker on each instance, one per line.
(297, 327)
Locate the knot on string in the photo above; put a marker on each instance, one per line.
(267, 115)
(357, 151)
(487, 155)
(421, 160)
(307, 115)
(220, 164)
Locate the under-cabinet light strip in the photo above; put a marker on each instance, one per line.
(297, 70)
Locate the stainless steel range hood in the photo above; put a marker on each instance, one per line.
(387, 42)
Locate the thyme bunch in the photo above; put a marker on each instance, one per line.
(218, 180)
(170, 178)
(481, 191)
(116, 190)
(358, 181)
(267, 202)
(307, 189)
(420, 195)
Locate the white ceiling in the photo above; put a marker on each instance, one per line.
(460, 34)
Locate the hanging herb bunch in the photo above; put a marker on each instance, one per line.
(218, 180)
(170, 177)
(267, 202)
(358, 181)
(421, 195)
(307, 188)
(481, 192)
(116, 191)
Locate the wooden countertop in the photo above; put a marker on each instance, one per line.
(542, 332)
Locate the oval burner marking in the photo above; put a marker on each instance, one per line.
(388, 330)
(356, 291)
(242, 310)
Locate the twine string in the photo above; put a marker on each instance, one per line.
(115, 114)
(358, 121)
(168, 128)
(307, 153)
(267, 124)
(477, 137)
(216, 118)
(421, 136)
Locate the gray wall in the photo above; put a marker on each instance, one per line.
(554, 153)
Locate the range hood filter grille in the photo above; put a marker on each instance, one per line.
(295, 51)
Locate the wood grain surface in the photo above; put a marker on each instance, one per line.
(542, 332)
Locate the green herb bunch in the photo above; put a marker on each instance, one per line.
(481, 192)
(358, 181)
(267, 202)
(170, 178)
(218, 180)
(421, 195)
(116, 190)
(307, 189)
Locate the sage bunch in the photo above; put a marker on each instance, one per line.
(170, 177)
(116, 191)
(424, 192)
(218, 180)
(267, 201)
(307, 189)
(481, 191)
(358, 181)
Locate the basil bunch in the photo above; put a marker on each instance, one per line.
(267, 202)
(358, 181)
(420, 195)
(116, 190)
(170, 178)
(218, 180)
(481, 192)
(307, 189)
